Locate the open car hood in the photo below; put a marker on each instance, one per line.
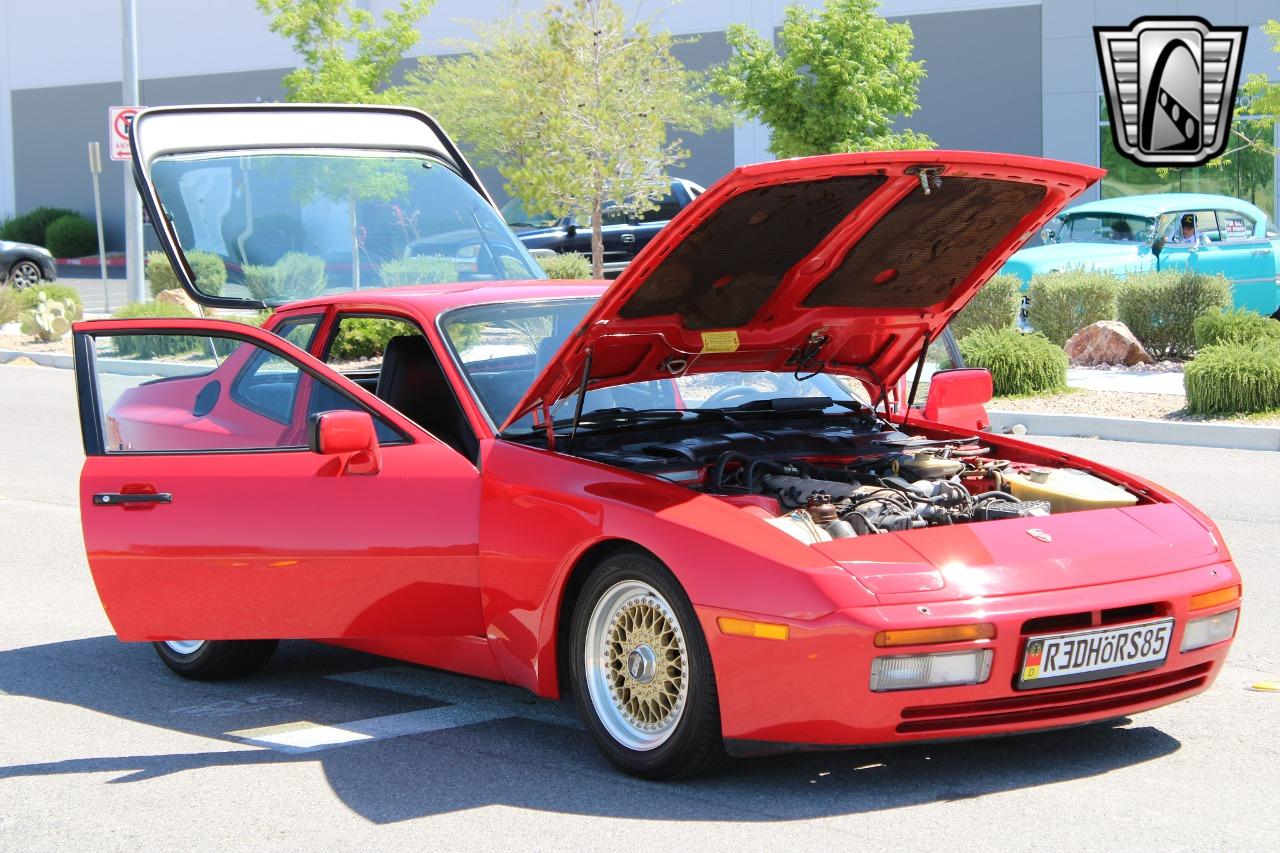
(836, 263)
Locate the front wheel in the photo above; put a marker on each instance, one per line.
(24, 274)
(642, 674)
(211, 660)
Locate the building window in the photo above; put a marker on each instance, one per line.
(1250, 175)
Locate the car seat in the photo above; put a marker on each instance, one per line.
(412, 381)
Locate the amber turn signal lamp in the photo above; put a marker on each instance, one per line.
(924, 636)
(748, 628)
(1216, 597)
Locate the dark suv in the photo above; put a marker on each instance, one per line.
(624, 235)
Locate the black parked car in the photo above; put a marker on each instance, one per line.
(24, 265)
(624, 235)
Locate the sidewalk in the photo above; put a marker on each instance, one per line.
(1126, 380)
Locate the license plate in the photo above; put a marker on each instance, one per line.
(1098, 653)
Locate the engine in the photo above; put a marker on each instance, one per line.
(946, 483)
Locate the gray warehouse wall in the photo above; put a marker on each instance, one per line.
(983, 91)
(53, 126)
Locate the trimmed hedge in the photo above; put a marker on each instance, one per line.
(30, 227)
(1161, 308)
(209, 270)
(1019, 364)
(994, 306)
(567, 266)
(153, 346)
(1240, 326)
(422, 269)
(29, 297)
(1234, 378)
(295, 276)
(71, 236)
(1063, 303)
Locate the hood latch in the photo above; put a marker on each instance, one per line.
(930, 177)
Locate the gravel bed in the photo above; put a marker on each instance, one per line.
(1118, 404)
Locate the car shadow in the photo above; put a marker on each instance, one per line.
(522, 761)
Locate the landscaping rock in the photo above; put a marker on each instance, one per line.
(1106, 342)
(178, 296)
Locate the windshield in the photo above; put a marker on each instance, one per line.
(277, 227)
(503, 346)
(1105, 228)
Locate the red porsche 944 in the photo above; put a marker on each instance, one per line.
(701, 498)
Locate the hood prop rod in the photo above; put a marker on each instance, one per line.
(915, 381)
(577, 404)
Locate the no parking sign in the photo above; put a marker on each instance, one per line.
(120, 120)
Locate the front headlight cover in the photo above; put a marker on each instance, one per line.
(1208, 630)
(941, 669)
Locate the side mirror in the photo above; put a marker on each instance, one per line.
(1157, 246)
(571, 230)
(348, 434)
(958, 397)
(1048, 235)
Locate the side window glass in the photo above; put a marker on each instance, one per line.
(360, 342)
(1234, 225)
(178, 392)
(667, 208)
(298, 331)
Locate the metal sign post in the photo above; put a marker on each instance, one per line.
(137, 291)
(95, 169)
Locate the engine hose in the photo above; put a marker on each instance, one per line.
(717, 473)
(991, 496)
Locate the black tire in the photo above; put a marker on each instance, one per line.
(695, 744)
(218, 659)
(24, 274)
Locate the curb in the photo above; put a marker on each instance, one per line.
(1187, 433)
(120, 367)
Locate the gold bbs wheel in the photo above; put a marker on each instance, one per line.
(636, 665)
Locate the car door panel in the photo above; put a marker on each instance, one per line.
(274, 542)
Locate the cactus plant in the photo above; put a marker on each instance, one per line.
(50, 319)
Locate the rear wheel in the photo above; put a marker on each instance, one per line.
(642, 675)
(211, 660)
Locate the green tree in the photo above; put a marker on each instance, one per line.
(573, 104)
(347, 57)
(836, 82)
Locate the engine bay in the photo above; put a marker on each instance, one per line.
(837, 477)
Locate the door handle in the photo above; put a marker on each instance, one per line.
(124, 498)
(628, 238)
(1260, 252)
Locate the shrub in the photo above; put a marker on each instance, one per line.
(1019, 364)
(1063, 303)
(208, 268)
(995, 306)
(1160, 308)
(71, 236)
(8, 305)
(295, 276)
(365, 337)
(30, 297)
(422, 269)
(566, 266)
(153, 346)
(30, 227)
(1240, 326)
(1234, 377)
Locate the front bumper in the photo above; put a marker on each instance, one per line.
(812, 690)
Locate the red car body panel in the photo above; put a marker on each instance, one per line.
(468, 567)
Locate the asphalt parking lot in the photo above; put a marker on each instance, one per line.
(101, 748)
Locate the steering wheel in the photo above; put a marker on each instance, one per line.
(734, 394)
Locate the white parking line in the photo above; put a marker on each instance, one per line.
(470, 702)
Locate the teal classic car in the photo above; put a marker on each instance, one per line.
(1167, 231)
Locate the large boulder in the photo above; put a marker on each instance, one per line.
(178, 296)
(1106, 342)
